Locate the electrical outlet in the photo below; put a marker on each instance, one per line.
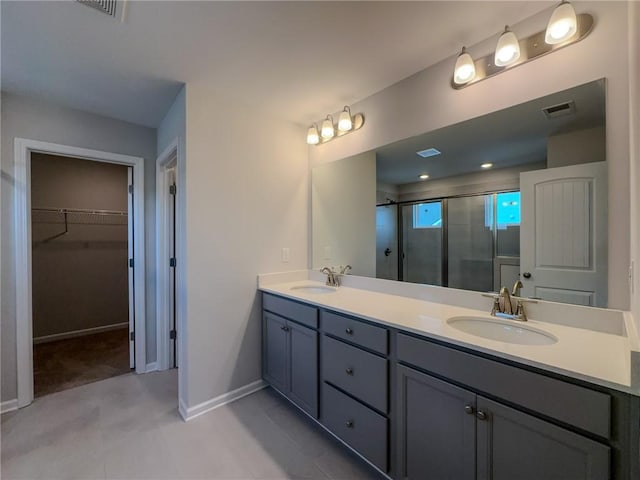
(285, 254)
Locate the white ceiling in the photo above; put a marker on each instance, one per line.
(297, 60)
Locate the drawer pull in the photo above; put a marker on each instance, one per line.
(349, 371)
(481, 415)
(285, 328)
(349, 331)
(468, 409)
(349, 423)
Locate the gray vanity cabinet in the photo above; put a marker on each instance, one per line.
(449, 432)
(290, 351)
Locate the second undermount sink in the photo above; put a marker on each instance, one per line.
(502, 330)
(313, 289)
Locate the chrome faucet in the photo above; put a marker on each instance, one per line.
(332, 278)
(503, 304)
(345, 269)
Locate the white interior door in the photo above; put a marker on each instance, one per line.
(132, 343)
(563, 236)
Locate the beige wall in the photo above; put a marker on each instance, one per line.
(573, 148)
(37, 120)
(634, 120)
(426, 102)
(343, 198)
(247, 197)
(80, 279)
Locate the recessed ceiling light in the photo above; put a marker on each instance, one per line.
(487, 165)
(429, 152)
(424, 176)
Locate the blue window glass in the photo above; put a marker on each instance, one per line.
(508, 209)
(427, 215)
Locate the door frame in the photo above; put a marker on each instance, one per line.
(22, 251)
(171, 157)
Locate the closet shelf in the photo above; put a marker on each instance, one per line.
(78, 216)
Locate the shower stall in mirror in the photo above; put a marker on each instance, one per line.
(470, 242)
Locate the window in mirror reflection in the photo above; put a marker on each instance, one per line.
(427, 215)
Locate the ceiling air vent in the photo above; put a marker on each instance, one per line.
(560, 110)
(113, 8)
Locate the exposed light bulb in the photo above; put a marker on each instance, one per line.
(424, 176)
(507, 49)
(465, 70)
(327, 131)
(312, 135)
(344, 120)
(562, 25)
(486, 165)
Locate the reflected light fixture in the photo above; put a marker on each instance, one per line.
(347, 123)
(564, 28)
(344, 120)
(327, 130)
(424, 176)
(562, 25)
(465, 69)
(507, 49)
(312, 135)
(486, 165)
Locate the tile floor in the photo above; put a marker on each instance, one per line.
(128, 427)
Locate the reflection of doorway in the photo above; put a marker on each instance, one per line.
(80, 280)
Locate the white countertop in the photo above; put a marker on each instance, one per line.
(593, 356)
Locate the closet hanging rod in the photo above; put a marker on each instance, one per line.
(80, 210)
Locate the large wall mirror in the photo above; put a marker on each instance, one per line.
(518, 194)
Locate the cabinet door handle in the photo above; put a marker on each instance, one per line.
(527, 275)
(349, 371)
(349, 331)
(285, 328)
(481, 415)
(349, 423)
(468, 409)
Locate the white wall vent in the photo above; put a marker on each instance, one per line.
(113, 8)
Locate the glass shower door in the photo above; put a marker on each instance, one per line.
(470, 242)
(422, 243)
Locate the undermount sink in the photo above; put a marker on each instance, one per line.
(314, 289)
(502, 330)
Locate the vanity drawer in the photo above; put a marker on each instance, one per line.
(304, 314)
(364, 334)
(360, 373)
(359, 426)
(581, 407)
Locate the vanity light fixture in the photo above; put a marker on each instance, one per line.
(327, 130)
(563, 29)
(562, 25)
(508, 48)
(424, 176)
(347, 123)
(465, 69)
(486, 165)
(313, 138)
(344, 120)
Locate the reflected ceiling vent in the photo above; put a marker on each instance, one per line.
(429, 152)
(560, 110)
(113, 8)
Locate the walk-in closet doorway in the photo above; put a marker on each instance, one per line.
(79, 266)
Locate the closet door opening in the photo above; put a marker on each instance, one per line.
(82, 271)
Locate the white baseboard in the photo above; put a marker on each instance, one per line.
(151, 367)
(79, 333)
(9, 405)
(189, 413)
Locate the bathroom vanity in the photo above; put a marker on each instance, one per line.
(418, 399)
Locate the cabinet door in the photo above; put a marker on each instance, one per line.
(438, 428)
(275, 351)
(303, 361)
(515, 446)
